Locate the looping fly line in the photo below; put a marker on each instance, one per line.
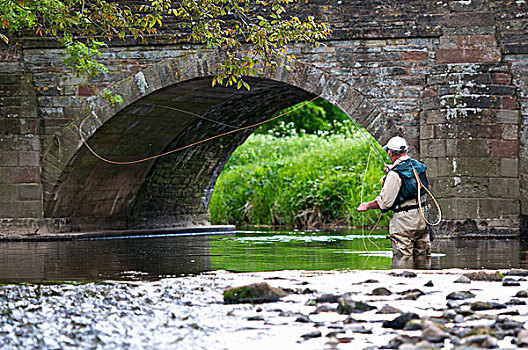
(183, 147)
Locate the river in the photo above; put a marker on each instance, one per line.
(166, 292)
(143, 258)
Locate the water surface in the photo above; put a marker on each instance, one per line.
(154, 257)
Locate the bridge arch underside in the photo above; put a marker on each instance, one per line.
(174, 190)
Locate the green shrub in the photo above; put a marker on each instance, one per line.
(301, 180)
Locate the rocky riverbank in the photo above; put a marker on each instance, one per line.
(448, 309)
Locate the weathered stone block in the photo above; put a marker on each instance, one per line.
(30, 174)
(504, 188)
(496, 208)
(508, 117)
(32, 192)
(8, 174)
(477, 166)
(510, 132)
(509, 167)
(504, 149)
(466, 208)
(501, 78)
(481, 55)
(426, 132)
(435, 117)
(27, 209)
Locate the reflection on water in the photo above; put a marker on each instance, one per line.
(154, 257)
(91, 260)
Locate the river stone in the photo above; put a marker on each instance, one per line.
(507, 325)
(510, 282)
(484, 276)
(345, 305)
(412, 295)
(400, 321)
(303, 319)
(516, 272)
(522, 338)
(253, 293)
(324, 308)
(398, 341)
(327, 298)
(463, 279)
(381, 291)
(413, 325)
(408, 274)
(461, 295)
(481, 306)
(522, 294)
(314, 334)
(429, 284)
(481, 341)
(387, 309)
(434, 332)
(516, 302)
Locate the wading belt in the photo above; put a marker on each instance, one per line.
(405, 208)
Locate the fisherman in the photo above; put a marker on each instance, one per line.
(407, 229)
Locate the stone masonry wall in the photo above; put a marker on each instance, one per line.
(450, 76)
(20, 151)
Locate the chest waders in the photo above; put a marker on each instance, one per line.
(414, 186)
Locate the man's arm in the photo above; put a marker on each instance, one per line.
(368, 205)
(387, 196)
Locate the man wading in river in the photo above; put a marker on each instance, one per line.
(407, 229)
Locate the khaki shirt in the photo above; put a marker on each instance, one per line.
(405, 220)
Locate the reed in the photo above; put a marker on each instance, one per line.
(300, 181)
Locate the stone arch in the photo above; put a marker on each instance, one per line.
(174, 190)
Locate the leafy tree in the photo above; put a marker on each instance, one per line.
(252, 35)
(312, 118)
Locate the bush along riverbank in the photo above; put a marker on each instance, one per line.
(299, 180)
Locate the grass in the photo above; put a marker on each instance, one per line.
(301, 181)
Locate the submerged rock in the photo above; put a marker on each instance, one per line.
(253, 293)
(400, 321)
(484, 276)
(348, 306)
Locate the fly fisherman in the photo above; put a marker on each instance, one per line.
(407, 229)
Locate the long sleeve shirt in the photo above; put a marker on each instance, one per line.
(410, 220)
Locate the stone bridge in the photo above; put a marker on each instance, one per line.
(451, 76)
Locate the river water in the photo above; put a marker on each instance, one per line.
(147, 258)
(166, 292)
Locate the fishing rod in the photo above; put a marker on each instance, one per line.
(365, 135)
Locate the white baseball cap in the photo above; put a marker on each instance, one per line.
(397, 143)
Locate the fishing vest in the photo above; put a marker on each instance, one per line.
(409, 186)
